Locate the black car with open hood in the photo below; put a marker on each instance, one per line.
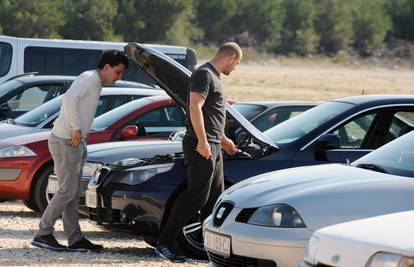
(138, 193)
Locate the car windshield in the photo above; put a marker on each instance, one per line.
(396, 157)
(107, 119)
(9, 86)
(249, 111)
(40, 114)
(297, 127)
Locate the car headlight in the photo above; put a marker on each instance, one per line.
(142, 174)
(279, 215)
(16, 151)
(90, 168)
(383, 259)
(310, 256)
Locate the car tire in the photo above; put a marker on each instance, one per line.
(39, 189)
(190, 239)
(30, 204)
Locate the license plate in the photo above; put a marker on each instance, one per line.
(90, 199)
(52, 186)
(217, 243)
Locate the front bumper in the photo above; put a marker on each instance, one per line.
(16, 176)
(257, 245)
(305, 264)
(141, 210)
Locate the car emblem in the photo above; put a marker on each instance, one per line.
(219, 214)
(335, 259)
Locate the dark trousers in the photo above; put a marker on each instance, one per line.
(205, 183)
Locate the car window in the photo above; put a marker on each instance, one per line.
(276, 116)
(160, 122)
(5, 58)
(297, 127)
(66, 61)
(105, 120)
(162, 117)
(402, 123)
(107, 103)
(396, 157)
(353, 133)
(8, 86)
(40, 114)
(33, 97)
(249, 111)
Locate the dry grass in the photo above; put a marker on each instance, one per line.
(307, 80)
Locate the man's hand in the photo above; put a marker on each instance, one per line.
(204, 149)
(228, 145)
(76, 138)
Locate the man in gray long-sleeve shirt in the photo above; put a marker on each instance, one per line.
(67, 144)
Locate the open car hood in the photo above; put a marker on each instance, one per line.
(174, 79)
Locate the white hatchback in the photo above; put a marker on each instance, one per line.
(382, 241)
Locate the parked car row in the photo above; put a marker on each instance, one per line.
(134, 185)
(275, 204)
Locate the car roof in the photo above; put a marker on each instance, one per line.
(31, 77)
(277, 103)
(131, 91)
(45, 78)
(361, 99)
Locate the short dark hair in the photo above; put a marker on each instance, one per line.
(113, 58)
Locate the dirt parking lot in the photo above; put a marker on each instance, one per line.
(18, 226)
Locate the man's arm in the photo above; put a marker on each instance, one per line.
(196, 115)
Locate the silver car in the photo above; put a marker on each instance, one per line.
(268, 220)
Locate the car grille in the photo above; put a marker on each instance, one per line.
(103, 173)
(104, 215)
(245, 215)
(239, 261)
(222, 211)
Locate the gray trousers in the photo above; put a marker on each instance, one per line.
(69, 163)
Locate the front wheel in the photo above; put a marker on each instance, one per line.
(190, 239)
(39, 194)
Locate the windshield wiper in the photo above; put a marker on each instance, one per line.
(373, 167)
(8, 121)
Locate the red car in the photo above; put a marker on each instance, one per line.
(25, 161)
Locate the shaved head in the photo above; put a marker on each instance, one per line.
(229, 49)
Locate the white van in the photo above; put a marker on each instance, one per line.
(70, 57)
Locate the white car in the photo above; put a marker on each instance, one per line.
(382, 241)
(268, 220)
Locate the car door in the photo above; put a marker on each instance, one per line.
(159, 122)
(31, 97)
(277, 115)
(359, 136)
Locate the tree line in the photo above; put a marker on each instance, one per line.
(300, 27)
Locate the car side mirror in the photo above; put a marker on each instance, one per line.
(129, 131)
(328, 141)
(4, 107)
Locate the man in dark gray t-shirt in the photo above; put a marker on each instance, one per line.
(206, 81)
(206, 116)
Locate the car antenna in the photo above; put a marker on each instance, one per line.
(363, 92)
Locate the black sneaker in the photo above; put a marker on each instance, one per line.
(166, 253)
(48, 242)
(85, 245)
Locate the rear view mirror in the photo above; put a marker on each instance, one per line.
(328, 141)
(4, 107)
(129, 131)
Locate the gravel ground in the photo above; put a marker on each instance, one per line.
(18, 226)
